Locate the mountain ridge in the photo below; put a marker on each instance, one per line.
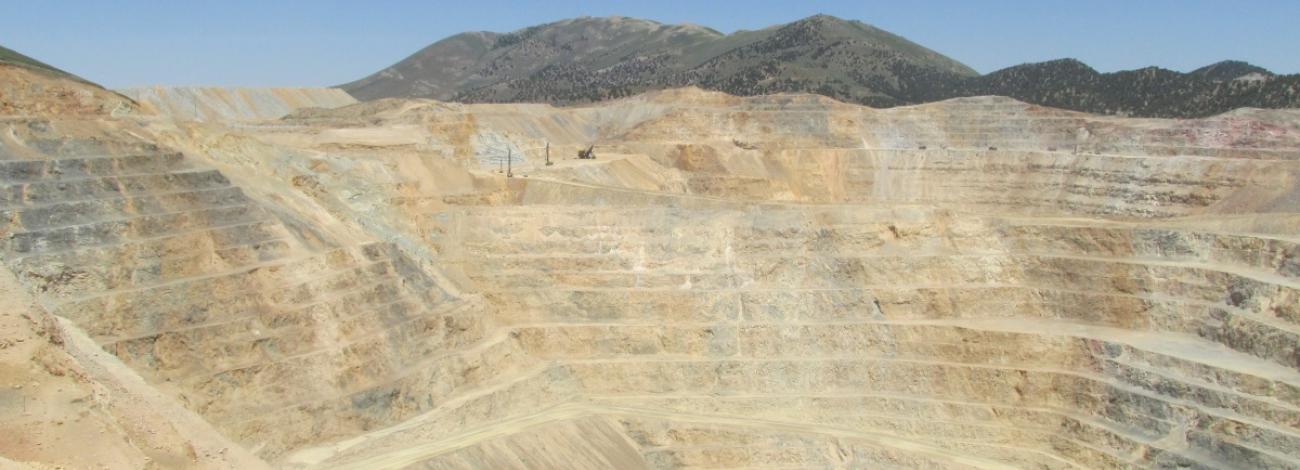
(589, 59)
(1230, 70)
(11, 57)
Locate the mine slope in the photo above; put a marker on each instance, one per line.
(592, 59)
(777, 281)
(234, 104)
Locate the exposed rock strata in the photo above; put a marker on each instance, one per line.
(773, 281)
(235, 104)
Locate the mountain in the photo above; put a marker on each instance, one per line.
(1149, 92)
(12, 57)
(591, 59)
(1230, 70)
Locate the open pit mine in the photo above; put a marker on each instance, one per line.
(243, 279)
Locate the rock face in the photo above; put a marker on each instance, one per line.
(235, 104)
(775, 281)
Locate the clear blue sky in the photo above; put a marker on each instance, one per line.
(315, 43)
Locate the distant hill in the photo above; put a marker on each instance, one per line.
(591, 59)
(12, 57)
(1151, 91)
(1230, 70)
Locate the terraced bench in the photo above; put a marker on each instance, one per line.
(195, 285)
(1088, 347)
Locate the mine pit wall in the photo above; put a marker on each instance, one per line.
(907, 312)
(1029, 183)
(211, 298)
(1001, 181)
(892, 296)
(582, 442)
(1092, 344)
(217, 104)
(975, 152)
